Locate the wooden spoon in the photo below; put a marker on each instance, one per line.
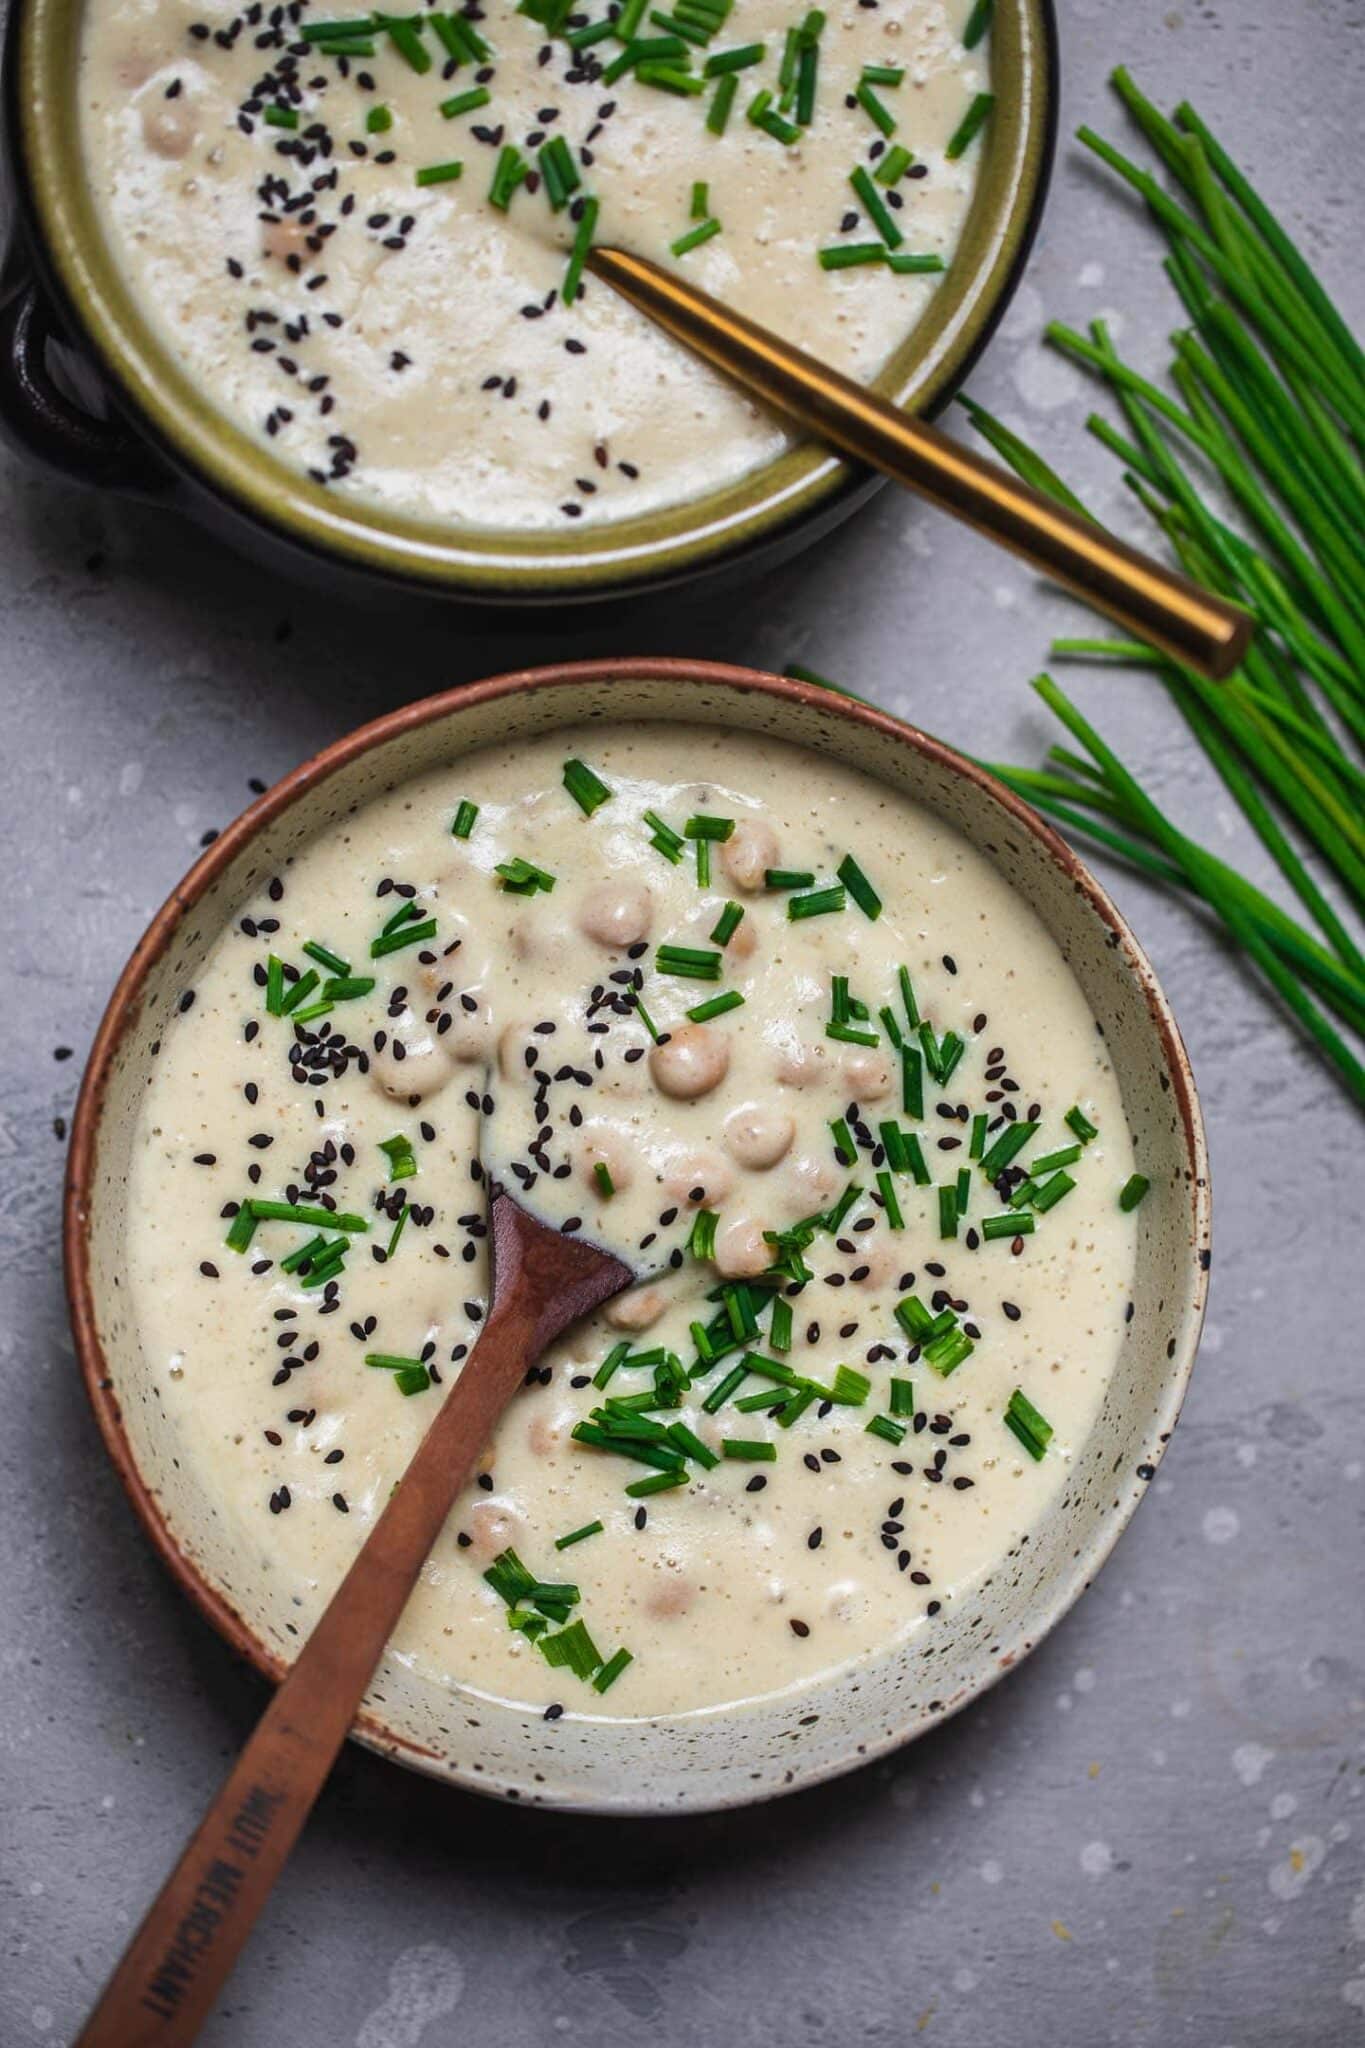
(173, 1969)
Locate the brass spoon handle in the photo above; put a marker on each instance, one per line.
(1152, 603)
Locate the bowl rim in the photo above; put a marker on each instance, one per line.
(755, 513)
(124, 1008)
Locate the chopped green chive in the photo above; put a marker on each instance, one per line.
(463, 823)
(941, 1055)
(325, 958)
(893, 1144)
(780, 1325)
(1010, 1141)
(907, 989)
(298, 991)
(438, 174)
(978, 22)
(915, 1319)
(969, 126)
(722, 102)
(832, 1218)
(1051, 1192)
(850, 255)
(1079, 1123)
(595, 32)
(559, 172)
(859, 888)
(701, 1240)
(694, 238)
(274, 984)
(522, 877)
(692, 962)
(400, 1155)
(946, 1353)
(882, 74)
(764, 115)
(912, 1081)
(281, 117)
(947, 1212)
(893, 166)
(303, 1212)
(889, 1431)
(406, 934)
(716, 1006)
(667, 78)
(788, 878)
(410, 1375)
(1066, 1155)
(1033, 1430)
(876, 110)
(1132, 1191)
(850, 1388)
(727, 924)
(844, 1148)
(336, 31)
(908, 263)
(817, 904)
(902, 1397)
(612, 1670)
(571, 1646)
(721, 62)
(723, 1389)
(614, 1358)
(346, 988)
(588, 790)
(915, 1161)
(406, 38)
(466, 102)
(397, 1231)
(691, 1446)
(664, 839)
(657, 1482)
(578, 255)
(875, 208)
(309, 1249)
(977, 1142)
(460, 38)
(753, 1449)
(886, 1187)
(601, 1174)
(510, 170)
(578, 1535)
(964, 1189)
(1006, 1226)
(643, 1014)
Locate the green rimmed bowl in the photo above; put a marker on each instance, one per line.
(160, 436)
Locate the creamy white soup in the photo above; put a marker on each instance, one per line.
(362, 235)
(771, 1032)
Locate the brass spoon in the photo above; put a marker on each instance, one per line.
(1150, 602)
(173, 1969)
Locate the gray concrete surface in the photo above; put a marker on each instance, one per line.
(1153, 1831)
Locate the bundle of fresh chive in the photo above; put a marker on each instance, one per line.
(1268, 410)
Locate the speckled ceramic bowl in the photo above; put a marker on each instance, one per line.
(718, 1757)
(165, 439)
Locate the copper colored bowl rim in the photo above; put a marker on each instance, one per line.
(124, 1006)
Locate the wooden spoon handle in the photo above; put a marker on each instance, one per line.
(178, 1960)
